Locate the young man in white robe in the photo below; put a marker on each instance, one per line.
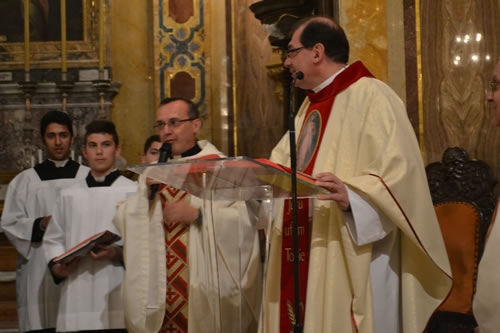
(486, 305)
(90, 295)
(169, 239)
(374, 259)
(27, 213)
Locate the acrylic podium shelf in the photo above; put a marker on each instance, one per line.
(229, 178)
(243, 188)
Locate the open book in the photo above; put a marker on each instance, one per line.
(105, 238)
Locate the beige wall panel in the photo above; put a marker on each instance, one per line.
(131, 49)
(217, 130)
(365, 23)
(396, 47)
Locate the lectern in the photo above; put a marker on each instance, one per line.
(227, 262)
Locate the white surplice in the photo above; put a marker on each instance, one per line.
(368, 226)
(29, 198)
(90, 297)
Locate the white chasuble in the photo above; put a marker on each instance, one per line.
(370, 145)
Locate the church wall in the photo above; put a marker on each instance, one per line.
(456, 70)
(260, 118)
(192, 59)
(132, 65)
(418, 48)
(375, 31)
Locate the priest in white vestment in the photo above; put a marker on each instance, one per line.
(90, 285)
(176, 278)
(486, 306)
(27, 213)
(375, 256)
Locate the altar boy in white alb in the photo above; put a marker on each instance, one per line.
(90, 295)
(30, 199)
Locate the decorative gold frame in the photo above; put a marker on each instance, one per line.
(48, 54)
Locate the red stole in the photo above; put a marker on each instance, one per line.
(308, 144)
(176, 299)
(176, 239)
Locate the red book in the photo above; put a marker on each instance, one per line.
(102, 238)
(300, 175)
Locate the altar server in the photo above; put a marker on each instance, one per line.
(27, 213)
(90, 296)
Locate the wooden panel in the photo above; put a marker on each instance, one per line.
(183, 85)
(259, 113)
(7, 255)
(8, 292)
(8, 315)
(411, 65)
(180, 10)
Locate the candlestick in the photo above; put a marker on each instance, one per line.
(40, 156)
(27, 40)
(32, 161)
(72, 154)
(101, 39)
(64, 53)
(79, 159)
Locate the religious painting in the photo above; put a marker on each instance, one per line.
(45, 33)
(308, 140)
(44, 20)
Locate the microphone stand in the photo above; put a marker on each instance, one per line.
(297, 327)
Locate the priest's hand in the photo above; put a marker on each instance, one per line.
(333, 184)
(62, 270)
(103, 252)
(179, 212)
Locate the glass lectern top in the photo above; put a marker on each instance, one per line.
(229, 178)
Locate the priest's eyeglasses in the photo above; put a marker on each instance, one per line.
(290, 53)
(171, 123)
(494, 85)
